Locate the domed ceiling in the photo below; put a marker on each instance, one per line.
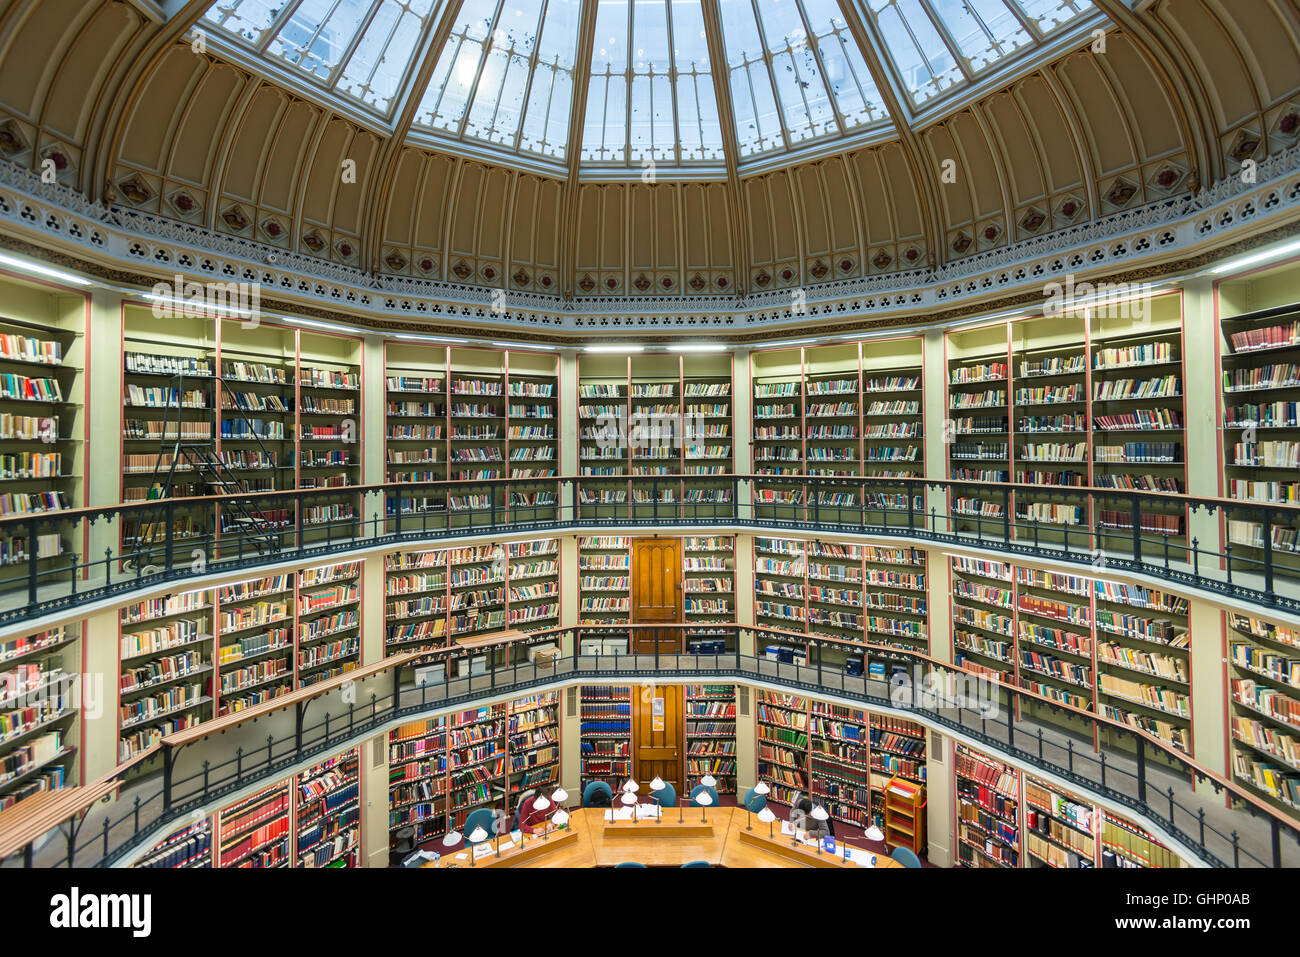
(645, 149)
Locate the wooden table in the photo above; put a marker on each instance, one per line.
(729, 845)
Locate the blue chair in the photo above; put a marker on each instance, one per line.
(483, 818)
(755, 802)
(666, 795)
(628, 864)
(597, 787)
(905, 857)
(701, 789)
(697, 864)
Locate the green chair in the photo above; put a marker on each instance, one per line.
(906, 857)
(628, 864)
(703, 789)
(755, 802)
(666, 795)
(483, 818)
(597, 787)
(697, 864)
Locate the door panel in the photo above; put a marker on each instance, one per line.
(657, 592)
(657, 745)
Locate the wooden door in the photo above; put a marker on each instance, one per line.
(657, 593)
(657, 735)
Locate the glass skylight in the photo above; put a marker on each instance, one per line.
(650, 94)
(505, 76)
(937, 44)
(795, 73)
(505, 73)
(363, 49)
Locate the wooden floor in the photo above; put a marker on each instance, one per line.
(592, 848)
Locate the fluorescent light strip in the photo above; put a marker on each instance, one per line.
(38, 270)
(698, 347)
(613, 350)
(1236, 265)
(204, 307)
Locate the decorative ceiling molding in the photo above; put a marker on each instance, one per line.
(1134, 242)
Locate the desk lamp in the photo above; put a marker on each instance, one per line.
(559, 796)
(819, 814)
(759, 788)
(656, 786)
(705, 800)
(709, 781)
(540, 803)
(560, 818)
(874, 833)
(629, 800)
(477, 836)
(767, 816)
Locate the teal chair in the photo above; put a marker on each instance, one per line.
(483, 818)
(597, 787)
(666, 795)
(701, 789)
(628, 864)
(697, 864)
(905, 857)
(755, 802)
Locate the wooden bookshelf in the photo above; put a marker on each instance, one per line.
(476, 761)
(979, 382)
(710, 734)
(988, 810)
(533, 744)
(417, 778)
(256, 628)
(605, 734)
(605, 590)
(904, 803)
(39, 713)
(708, 584)
(328, 633)
(1263, 663)
(839, 765)
(782, 743)
(255, 832)
(189, 847)
(1060, 829)
(166, 676)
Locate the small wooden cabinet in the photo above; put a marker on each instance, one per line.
(905, 814)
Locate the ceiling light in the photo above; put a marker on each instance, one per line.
(1277, 252)
(38, 270)
(613, 350)
(699, 347)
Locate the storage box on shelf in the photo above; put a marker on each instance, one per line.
(710, 734)
(988, 811)
(39, 712)
(1264, 683)
(605, 734)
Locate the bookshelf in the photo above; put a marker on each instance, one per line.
(255, 832)
(708, 584)
(476, 761)
(39, 714)
(605, 734)
(43, 430)
(476, 427)
(904, 803)
(533, 744)
(1263, 662)
(856, 593)
(979, 369)
(417, 779)
(1056, 653)
(983, 629)
(255, 625)
(532, 433)
(1260, 385)
(1124, 844)
(190, 847)
(278, 407)
(781, 739)
(710, 734)
(604, 413)
(328, 813)
(166, 673)
(329, 621)
(1060, 829)
(416, 599)
(415, 422)
(840, 769)
(840, 411)
(988, 810)
(708, 431)
(533, 590)
(605, 590)
(897, 751)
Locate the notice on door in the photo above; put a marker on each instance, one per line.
(657, 714)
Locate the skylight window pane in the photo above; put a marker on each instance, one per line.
(757, 127)
(501, 87)
(1050, 14)
(546, 119)
(250, 20)
(699, 134)
(925, 63)
(846, 72)
(319, 33)
(985, 30)
(378, 67)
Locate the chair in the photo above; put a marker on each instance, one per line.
(484, 818)
(628, 864)
(594, 788)
(697, 864)
(906, 857)
(666, 795)
(702, 789)
(755, 802)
